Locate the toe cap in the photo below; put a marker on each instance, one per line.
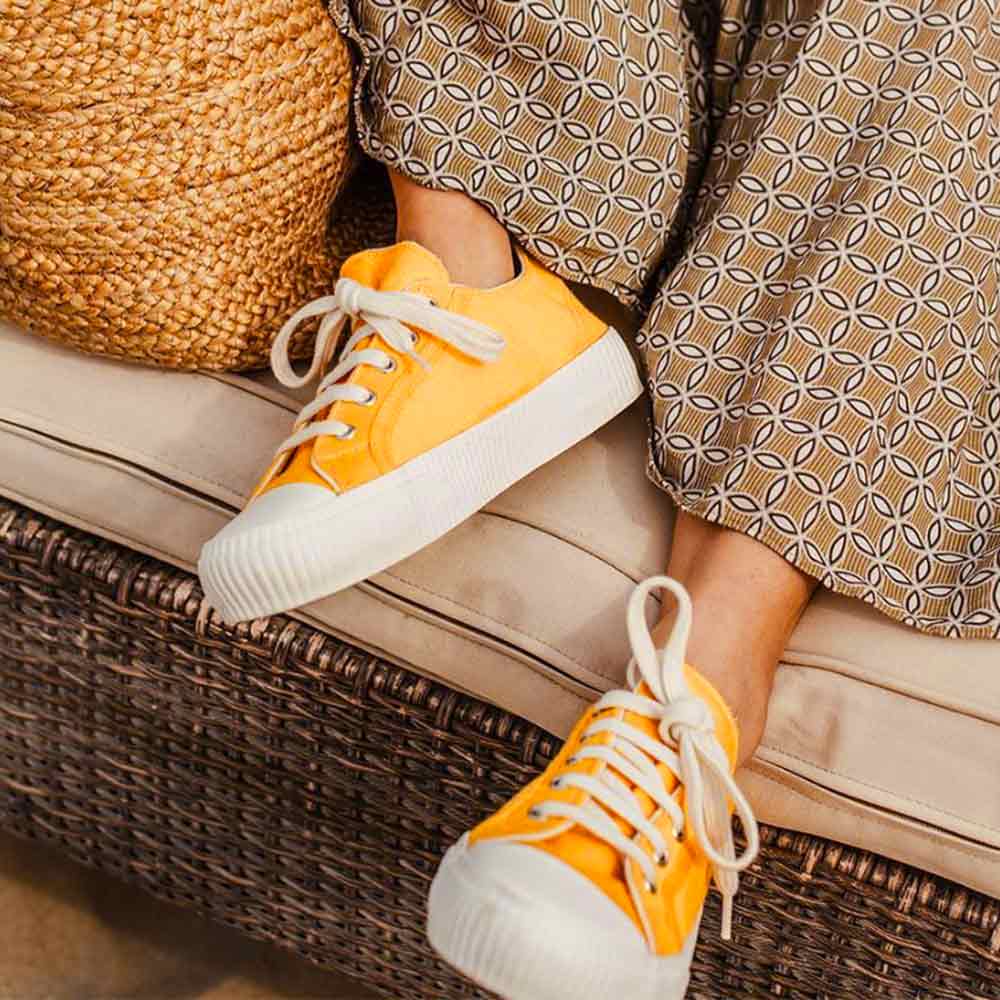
(522, 875)
(282, 506)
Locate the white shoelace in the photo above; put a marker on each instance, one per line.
(388, 315)
(689, 748)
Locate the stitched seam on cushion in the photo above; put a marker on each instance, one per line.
(574, 538)
(481, 638)
(107, 450)
(468, 633)
(68, 518)
(105, 460)
(851, 671)
(879, 788)
(768, 777)
(787, 786)
(250, 388)
(544, 644)
(495, 621)
(402, 579)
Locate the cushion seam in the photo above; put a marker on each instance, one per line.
(879, 788)
(788, 786)
(495, 621)
(264, 395)
(574, 538)
(140, 546)
(850, 670)
(105, 448)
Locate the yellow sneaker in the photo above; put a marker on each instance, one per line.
(590, 882)
(443, 396)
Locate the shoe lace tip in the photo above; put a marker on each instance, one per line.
(727, 917)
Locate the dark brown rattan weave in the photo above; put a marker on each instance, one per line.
(288, 784)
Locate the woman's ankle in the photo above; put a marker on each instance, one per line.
(471, 244)
(744, 685)
(747, 601)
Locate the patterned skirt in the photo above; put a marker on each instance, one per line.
(803, 198)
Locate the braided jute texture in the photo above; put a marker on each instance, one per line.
(166, 172)
(302, 790)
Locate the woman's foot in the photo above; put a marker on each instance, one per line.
(590, 882)
(443, 396)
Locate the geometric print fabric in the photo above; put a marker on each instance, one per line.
(804, 199)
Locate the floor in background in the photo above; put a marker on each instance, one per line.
(67, 933)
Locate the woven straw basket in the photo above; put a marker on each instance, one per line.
(166, 172)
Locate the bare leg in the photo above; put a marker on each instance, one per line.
(472, 244)
(747, 600)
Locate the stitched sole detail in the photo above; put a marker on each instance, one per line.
(516, 939)
(338, 540)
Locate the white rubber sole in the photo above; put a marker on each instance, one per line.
(522, 938)
(253, 568)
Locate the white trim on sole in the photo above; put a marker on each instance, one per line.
(526, 926)
(257, 567)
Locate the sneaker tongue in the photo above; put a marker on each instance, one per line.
(603, 857)
(404, 267)
(670, 781)
(725, 731)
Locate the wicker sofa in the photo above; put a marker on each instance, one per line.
(298, 777)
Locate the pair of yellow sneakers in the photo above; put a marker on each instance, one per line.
(589, 883)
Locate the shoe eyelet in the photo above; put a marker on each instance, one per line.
(414, 339)
(650, 888)
(369, 400)
(662, 859)
(390, 367)
(680, 836)
(348, 434)
(556, 783)
(535, 813)
(570, 761)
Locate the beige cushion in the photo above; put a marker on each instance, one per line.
(879, 736)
